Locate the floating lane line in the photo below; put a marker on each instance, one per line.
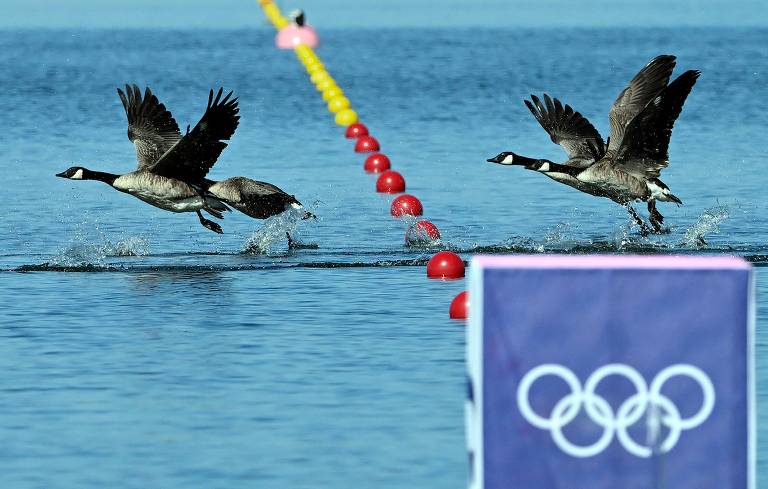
(389, 181)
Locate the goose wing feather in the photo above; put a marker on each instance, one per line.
(644, 151)
(194, 155)
(569, 129)
(151, 127)
(632, 100)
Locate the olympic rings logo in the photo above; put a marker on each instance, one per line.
(661, 410)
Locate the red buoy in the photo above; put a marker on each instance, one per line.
(390, 182)
(366, 144)
(406, 205)
(356, 130)
(459, 306)
(422, 232)
(445, 265)
(376, 163)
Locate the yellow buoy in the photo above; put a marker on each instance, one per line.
(326, 84)
(273, 14)
(338, 103)
(331, 92)
(313, 68)
(270, 8)
(346, 117)
(320, 76)
(303, 50)
(280, 22)
(307, 58)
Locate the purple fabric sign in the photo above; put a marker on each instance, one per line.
(606, 372)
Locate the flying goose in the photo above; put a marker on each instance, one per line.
(627, 168)
(172, 168)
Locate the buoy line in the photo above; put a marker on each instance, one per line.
(445, 265)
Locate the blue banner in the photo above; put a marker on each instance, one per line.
(610, 372)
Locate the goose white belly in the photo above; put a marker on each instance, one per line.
(166, 193)
(614, 183)
(190, 204)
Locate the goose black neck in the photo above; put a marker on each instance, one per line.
(557, 168)
(545, 166)
(525, 161)
(108, 178)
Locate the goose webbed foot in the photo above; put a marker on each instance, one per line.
(655, 217)
(209, 224)
(215, 213)
(644, 229)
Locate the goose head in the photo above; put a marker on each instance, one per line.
(509, 158)
(75, 173)
(505, 158)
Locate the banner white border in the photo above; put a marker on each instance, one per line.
(751, 380)
(474, 352)
(475, 371)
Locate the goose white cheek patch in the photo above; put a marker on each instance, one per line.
(78, 175)
(508, 160)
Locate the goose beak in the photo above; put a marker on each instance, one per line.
(62, 174)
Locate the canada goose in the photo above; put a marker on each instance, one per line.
(627, 168)
(172, 168)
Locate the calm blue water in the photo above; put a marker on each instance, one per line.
(198, 360)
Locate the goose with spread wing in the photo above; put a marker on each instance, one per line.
(172, 167)
(627, 168)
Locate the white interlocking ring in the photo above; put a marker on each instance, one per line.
(647, 402)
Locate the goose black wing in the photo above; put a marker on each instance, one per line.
(646, 142)
(195, 153)
(568, 129)
(151, 127)
(632, 100)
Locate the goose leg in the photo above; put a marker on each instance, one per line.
(655, 216)
(291, 244)
(210, 224)
(644, 229)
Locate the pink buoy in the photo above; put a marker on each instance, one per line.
(406, 205)
(445, 265)
(459, 308)
(422, 232)
(377, 163)
(292, 35)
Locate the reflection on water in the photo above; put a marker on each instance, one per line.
(212, 281)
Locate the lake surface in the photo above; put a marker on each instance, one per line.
(179, 358)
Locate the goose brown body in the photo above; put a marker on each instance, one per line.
(627, 168)
(172, 168)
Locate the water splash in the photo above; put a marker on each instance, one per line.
(91, 246)
(559, 233)
(275, 230)
(708, 223)
(130, 246)
(558, 237)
